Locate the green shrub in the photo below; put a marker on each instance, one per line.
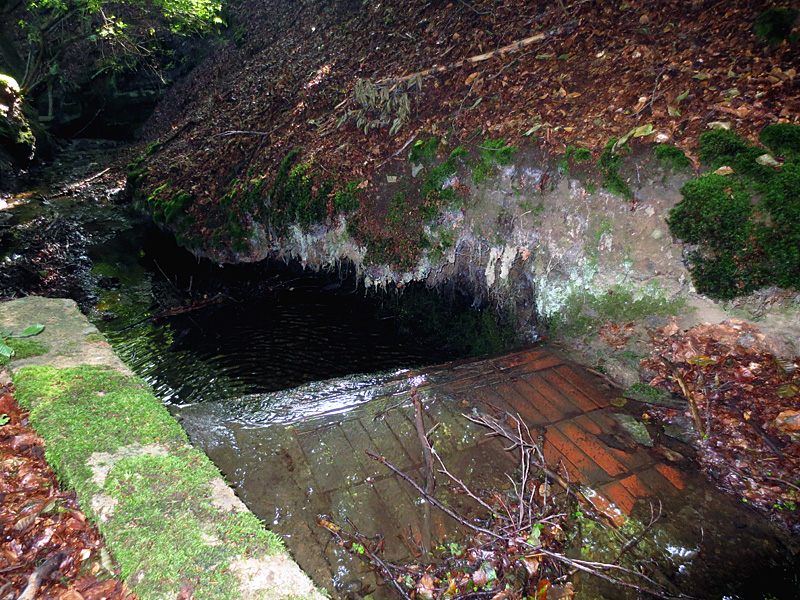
(672, 155)
(775, 25)
(782, 138)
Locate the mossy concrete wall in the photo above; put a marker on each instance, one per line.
(169, 519)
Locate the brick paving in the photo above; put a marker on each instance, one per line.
(318, 465)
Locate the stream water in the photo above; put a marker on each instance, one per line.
(226, 348)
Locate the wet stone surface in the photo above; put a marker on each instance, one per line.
(299, 455)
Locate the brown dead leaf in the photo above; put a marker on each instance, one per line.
(788, 421)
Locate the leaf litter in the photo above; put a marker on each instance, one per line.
(748, 400)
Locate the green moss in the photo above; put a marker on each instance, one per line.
(775, 25)
(609, 163)
(742, 246)
(201, 536)
(715, 210)
(722, 147)
(672, 156)
(163, 525)
(582, 155)
(781, 239)
(584, 313)
(23, 348)
(782, 138)
(433, 194)
(293, 198)
(423, 152)
(498, 152)
(88, 409)
(398, 210)
(346, 199)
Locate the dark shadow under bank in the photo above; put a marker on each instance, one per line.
(197, 330)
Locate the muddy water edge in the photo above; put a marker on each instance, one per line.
(222, 345)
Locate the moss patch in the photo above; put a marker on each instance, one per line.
(23, 348)
(584, 313)
(156, 509)
(746, 225)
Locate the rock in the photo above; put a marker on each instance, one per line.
(635, 429)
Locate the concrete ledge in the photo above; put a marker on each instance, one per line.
(169, 519)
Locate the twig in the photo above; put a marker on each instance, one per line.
(471, 60)
(74, 186)
(698, 421)
(789, 483)
(39, 575)
(242, 132)
(449, 512)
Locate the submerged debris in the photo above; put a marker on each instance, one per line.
(524, 545)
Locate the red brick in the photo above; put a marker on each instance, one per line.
(619, 496)
(584, 383)
(590, 472)
(636, 487)
(518, 358)
(583, 401)
(558, 462)
(533, 363)
(555, 406)
(521, 391)
(672, 474)
(660, 485)
(599, 424)
(592, 447)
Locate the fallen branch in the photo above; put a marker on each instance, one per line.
(698, 421)
(471, 60)
(74, 186)
(40, 574)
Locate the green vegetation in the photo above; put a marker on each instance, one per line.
(743, 244)
(672, 156)
(493, 153)
(578, 155)
(300, 195)
(397, 210)
(159, 518)
(775, 25)
(782, 138)
(434, 194)
(124, 37)
(346, 199)
(583, 313)
(423, 152)
(581, 155)
(610, 160)
(16, 345)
